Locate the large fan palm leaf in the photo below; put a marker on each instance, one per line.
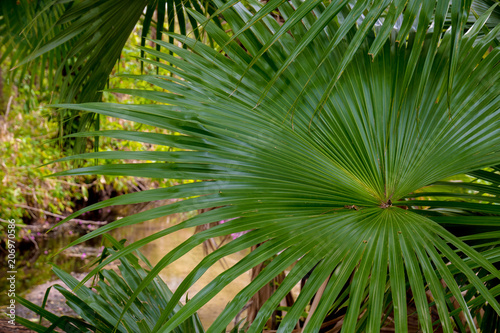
(314, 165)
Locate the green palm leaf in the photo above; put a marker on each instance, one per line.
(24, 26)
(100, 307)
(322, 188)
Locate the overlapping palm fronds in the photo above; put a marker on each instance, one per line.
(315, 134)
(76, 44)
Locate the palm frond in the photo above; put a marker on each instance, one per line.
(101, 305)
(314, 163)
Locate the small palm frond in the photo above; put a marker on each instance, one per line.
(101, 305)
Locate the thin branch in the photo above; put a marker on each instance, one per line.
(60, 216)
(8, 107)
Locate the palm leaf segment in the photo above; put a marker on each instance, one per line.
(350, 121)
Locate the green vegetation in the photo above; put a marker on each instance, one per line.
(72, 46)
(100, 306)
(30, 140)
(353, 144)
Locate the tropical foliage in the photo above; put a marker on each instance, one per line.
(101, 305)
(75, 45)
(324, 137)
(28, 137)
